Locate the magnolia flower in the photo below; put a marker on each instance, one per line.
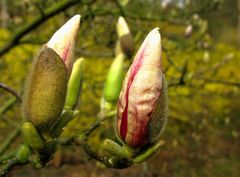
(142, 102)
(46, 86)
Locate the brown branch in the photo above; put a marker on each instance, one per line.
(223, 82)
(120, 7)
(92, 54)
(215, 67)
(37, 21)
(10, 90)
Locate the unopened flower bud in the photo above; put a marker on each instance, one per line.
(64, 40)
(114, 80)
(188, 31)
(125, 43)
(142, 103)
(46, 86)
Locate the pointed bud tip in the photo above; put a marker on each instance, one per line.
(121, 20)
(63, 41)
(138, 100)
(154, 35)
(75, 20)
(122, 27)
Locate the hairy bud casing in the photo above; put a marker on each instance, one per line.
(46, 86)
(45, 89)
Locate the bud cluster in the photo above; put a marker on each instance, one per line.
(54, 83)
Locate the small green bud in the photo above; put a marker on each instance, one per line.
(23, 153)
(32, 137)
(74, 84)
(114, 80)
(45, 90)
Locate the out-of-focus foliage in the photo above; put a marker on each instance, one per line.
(203, 131)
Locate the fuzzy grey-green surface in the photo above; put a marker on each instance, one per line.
(45, 90)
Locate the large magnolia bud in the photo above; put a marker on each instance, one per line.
(46, 86)
(142, 103)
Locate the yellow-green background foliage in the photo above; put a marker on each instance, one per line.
(203, 130)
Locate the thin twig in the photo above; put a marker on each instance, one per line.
(9, 139)
(9, 103)
(37, 21)
(215, 67)
(97, 123)
(223, 82)
(10, 90)
(10, 164)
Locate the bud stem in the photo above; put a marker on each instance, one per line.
(122, 152)
(143, 156)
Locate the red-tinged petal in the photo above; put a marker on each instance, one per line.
(140, 92)
(63, 41)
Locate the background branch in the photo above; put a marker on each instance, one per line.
(37, 21)
(10, 90)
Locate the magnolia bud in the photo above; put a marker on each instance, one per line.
(188, 31)
(64, 40)
(125, 43)
(46, 86)
(142, 103)
(114, 80)
(45, 89)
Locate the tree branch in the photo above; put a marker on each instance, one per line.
(10, 90)
(37, 21)
(6, 106)
(223, 82)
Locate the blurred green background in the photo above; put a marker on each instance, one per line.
(201, 61)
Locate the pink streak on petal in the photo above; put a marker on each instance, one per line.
(65, 53)
(135, 68)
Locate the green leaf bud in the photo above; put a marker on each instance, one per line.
(23, 154)
(74, 84)
(114, 80)
(32, 137)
